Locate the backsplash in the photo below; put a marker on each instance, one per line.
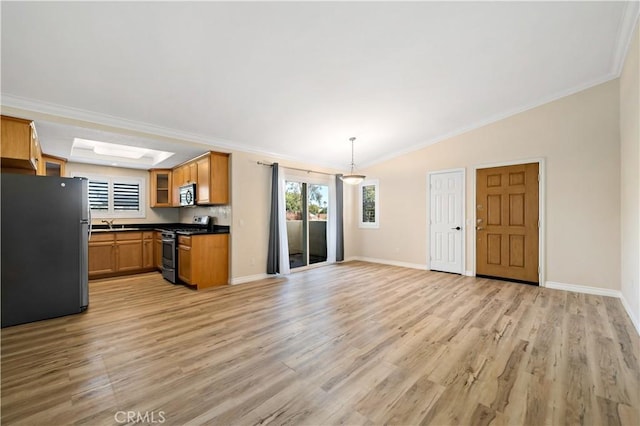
(221, 214)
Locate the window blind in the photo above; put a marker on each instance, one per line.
(126, 196)
(99, 195)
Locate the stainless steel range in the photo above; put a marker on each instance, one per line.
(200, 224)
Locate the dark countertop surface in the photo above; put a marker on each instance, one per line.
(217, 229)
(204, 232)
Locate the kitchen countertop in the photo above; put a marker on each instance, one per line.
(204, 232)
(217, 229)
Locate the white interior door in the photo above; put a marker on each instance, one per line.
(446, 221)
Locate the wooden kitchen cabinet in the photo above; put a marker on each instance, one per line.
(188, 173)
(20, 149)
(157, 249)
(213, 178)
(177, 174)
(119, 253)
(53, 166)
(161, 187)
(210, 173)
(128, 251)
(203, 260)
(101, 254)
(184, 259)
(147, 250)
(191, 173)
(182, 175)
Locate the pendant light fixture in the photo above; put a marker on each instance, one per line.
(351, 178)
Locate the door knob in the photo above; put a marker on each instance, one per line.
(457, 228)
(479, 228)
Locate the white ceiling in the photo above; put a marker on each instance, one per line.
(297, 79)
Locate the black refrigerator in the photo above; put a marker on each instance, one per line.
(44, 243)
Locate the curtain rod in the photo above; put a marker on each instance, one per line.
(295, 168)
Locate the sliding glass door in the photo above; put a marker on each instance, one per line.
(307, 213)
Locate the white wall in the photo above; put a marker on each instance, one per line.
(153, 215)
(630, 179)
(251, 201)
(579, 138)
(221, 214)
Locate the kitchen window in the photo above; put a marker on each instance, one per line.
(369, 204)
(116, 197)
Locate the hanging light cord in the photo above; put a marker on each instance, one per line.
(353, 165)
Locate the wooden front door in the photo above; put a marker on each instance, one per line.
(507, 222)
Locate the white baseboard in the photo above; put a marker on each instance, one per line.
(583, 289)
(391, 262)
(632, 316)
(598, 292)
(469, 273)
(249, 278)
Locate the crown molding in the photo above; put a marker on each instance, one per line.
(625, 32)
(88, 118)
(492, 119)
(66, 112)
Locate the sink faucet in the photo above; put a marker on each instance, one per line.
(108, 222)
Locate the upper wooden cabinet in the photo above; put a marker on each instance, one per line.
(182, 175)
(176, 183)
(191, 173)
(210, 173)
(52, 166)
(213, 178)
(20, 148)
(161, 187)
(21, 151)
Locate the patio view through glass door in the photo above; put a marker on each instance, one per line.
(307, 208)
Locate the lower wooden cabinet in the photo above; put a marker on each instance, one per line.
(102, 254)
(184, 259)
(147, 250)
(120, 253)
(203, 260)
(157, 249)
(128, 251)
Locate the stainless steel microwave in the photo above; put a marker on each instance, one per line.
(188, 195)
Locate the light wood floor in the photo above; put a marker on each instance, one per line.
(355, 343)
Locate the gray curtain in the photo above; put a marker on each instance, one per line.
(339, 220)
(273, 255)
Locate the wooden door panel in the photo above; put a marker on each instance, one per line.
(516, 209)
(516, 178)
(494, 210)
(494, 181)
(494, 243)
(507, 222)
(516, 250)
